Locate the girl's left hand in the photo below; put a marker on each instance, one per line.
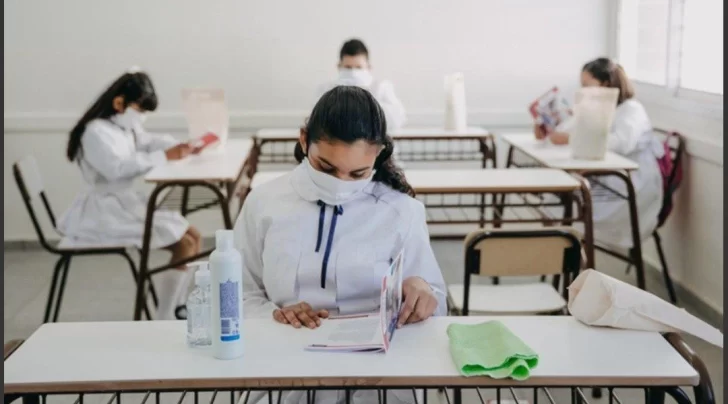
(559, 138)
(419, 301)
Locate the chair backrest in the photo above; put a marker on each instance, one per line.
(30, 184)
(527, 252)
(671, 168)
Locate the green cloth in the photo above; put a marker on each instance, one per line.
(490, 349)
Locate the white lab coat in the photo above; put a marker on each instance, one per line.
(631, 136)
(276, 234)
(383, 92)
(110, 211)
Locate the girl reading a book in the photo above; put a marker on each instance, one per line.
(112, 149)
(631, 135)
(318, 241)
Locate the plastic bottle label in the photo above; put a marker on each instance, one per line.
(229, 311)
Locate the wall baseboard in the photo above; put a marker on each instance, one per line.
(653, 274)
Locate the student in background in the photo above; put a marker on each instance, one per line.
(112, 149)
(632, 136)
(318, 241)
(355, 70)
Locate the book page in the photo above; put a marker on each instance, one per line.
(348, 332)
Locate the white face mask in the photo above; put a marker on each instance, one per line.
(355, 77)
(131, 118)
(332, 190)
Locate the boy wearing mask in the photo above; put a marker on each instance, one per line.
(355, 70)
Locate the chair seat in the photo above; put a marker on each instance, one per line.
(70, 244)
(532, 298)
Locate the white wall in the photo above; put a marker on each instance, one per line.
(270, 56)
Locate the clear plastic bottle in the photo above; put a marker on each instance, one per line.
(199, 310)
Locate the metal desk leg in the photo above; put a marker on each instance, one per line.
(635, 225)
(146, 243)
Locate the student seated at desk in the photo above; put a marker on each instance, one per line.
(631, 136)
(112, 149)
(355, 70)
(318, 241)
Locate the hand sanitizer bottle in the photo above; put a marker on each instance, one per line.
(199, 310)
(226, 270)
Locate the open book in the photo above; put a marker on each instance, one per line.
(365, 332)
(550, 110)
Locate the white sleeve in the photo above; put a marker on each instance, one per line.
(392, 106)
(626, 131)
(249, 242)
(419, 259)
(108, 154)
(151, 142)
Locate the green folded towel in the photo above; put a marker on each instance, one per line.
(490, 349)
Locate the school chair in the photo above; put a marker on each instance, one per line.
(554, 251)
(30, 184)
(671, 167)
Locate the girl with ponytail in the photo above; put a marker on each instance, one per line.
(318, 241)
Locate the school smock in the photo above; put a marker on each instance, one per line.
(383, 92)
(289, 240)
(110, 211)
(632, 136)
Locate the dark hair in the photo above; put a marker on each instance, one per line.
(349, 114)
(611, 74)
(353, 47)
(133, 87)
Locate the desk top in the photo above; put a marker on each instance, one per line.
(474, 180)
(403, 133)
(211, 166)
(554, 156)
(85, 357)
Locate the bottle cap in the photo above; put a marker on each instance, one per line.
(224, 240)
(202, 275)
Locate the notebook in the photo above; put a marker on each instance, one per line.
(365, 332)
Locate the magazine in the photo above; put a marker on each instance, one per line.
(550, 110)
(365, 332)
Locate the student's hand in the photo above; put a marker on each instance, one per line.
(559, 138)
(300, 314)
(419, 302)
(178, 152)
(539, 132)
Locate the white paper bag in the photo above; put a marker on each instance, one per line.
(206, 111)
(456, 114)
(593, 114)
(600, 300)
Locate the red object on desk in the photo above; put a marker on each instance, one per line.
(204, 141)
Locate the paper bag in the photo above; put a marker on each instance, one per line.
(456, 114)
(593, 114)
(600, 300)
(206, 111)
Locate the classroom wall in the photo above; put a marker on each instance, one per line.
(270, 56)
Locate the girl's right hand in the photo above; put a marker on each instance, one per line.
(539, 132)
(178, 152)
(298, 314)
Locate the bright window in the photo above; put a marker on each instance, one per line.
(676, 44)
(701, 66)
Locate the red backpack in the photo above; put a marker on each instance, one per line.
(672, 174)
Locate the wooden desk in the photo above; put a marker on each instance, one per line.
(472, 144)
(207, 170)
(552, 156)
(152, 356)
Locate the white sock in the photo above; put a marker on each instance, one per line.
(171, 284)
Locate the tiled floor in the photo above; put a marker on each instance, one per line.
(102, 289)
